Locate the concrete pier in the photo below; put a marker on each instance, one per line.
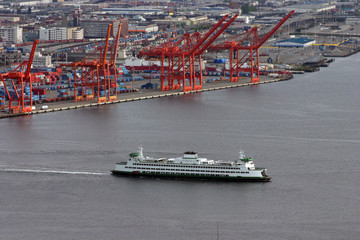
(143, 95)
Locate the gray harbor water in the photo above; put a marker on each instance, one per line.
(55, 180)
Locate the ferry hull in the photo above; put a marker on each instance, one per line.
(192, 177)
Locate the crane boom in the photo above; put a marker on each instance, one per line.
(116, 46)
(263, 40)
(31, 59)
(216, 35)
(103, 60)
(207, 35)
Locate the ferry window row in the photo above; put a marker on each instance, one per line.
(184, 166)
(197, 174)
(185, 170)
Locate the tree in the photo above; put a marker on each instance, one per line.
(245, 9)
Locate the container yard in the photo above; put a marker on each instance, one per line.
(97, 79)
(186, 62)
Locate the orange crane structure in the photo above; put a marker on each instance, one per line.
(21, 85)
(97, 76)
(181, 59)
(244, 51)
(114, 52)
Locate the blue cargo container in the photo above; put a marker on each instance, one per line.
(10, 49)
(35, 98)
(102, 93)
(220, 60)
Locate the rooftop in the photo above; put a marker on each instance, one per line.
(300, 40)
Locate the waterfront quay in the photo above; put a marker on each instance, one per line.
(143, 94)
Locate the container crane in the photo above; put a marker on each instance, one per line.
(244, 51)
(19, 92)
(94, 75)
(112, 64)
(115, 47)
(181, 59)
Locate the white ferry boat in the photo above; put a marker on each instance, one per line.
(190, 166)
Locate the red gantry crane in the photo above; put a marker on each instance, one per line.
(19, 92)
(114, 52)
(181, 59)
(97, 76)
(244, 51)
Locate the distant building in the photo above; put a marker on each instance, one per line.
(352, 20)
(41, 61)
(76, 16)
(98, 28)
(295, 42)
(143, 29)
(133, 11)
(169, 20)
(308, 8)
(124, 27)
(245, 19)
(9, 18)
(94, 28)
(10, 58)
(183, 20)
(11, 34)
(54, 33)
(197, 20)
(75, 33)
(60, 33)
(29, 2)
(78, 33)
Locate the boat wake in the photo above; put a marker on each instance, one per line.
(52, 171)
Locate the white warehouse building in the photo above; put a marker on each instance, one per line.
(29, 2)
(60, 33)
(11, 34)
(300, 42)
(55, 33)
(42, 61)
